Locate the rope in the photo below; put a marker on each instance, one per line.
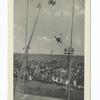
(34, 28)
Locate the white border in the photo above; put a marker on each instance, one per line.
(3, 48)
(95, 49)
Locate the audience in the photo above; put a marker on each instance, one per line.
(55, 72)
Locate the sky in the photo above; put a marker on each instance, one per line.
(52, 21)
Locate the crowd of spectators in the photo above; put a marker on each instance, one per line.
(55, 72)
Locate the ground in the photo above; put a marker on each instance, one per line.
(36, 90)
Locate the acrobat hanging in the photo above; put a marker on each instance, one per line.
(59, 40)
(52, 2)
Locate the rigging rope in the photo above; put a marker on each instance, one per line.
(34, 27)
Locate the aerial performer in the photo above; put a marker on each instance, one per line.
(52, 2)
(59, 40)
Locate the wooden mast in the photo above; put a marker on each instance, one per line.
(26, 50)
(70, 52)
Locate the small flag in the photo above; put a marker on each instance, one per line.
(52, 2)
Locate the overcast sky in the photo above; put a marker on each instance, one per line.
(52, 19)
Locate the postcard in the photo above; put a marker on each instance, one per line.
(49, 50)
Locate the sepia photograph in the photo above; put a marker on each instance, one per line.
(48, 49)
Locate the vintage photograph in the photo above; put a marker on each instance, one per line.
(48, 49)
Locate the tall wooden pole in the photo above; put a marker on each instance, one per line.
(27, 5)
(26, 53)
(70, 52)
